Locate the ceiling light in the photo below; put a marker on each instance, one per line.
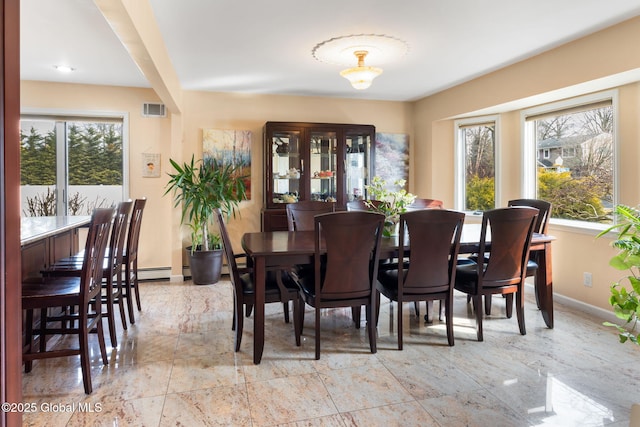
(378, 48)
(361, 76)
(64, 68)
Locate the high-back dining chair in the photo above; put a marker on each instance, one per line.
(344, 274)
(130, 258)
(504, 270)
(425, 204)
(300, 215)
(111, 273)
(279, 286)
(49, 294)
(541, 226)
(429, 271)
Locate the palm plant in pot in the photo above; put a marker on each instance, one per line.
(626, 302)
(201, 187)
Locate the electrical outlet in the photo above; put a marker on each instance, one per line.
(588, 279)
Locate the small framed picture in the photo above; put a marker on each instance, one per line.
(150, 165)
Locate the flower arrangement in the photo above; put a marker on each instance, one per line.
(388, 202)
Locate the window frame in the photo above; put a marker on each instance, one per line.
(85, 115)
(459, 159)
(529, 157)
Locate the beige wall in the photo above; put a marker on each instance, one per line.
(161, 238)
(597, 62)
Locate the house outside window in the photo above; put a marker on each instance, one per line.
(476, 164)
(577, 175)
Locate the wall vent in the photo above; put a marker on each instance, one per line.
(150, 109)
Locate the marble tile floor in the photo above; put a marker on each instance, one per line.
(176, 367)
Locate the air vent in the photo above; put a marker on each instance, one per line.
(153, 110)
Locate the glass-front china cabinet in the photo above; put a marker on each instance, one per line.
(314, 161)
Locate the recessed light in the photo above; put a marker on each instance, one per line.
(64, 68)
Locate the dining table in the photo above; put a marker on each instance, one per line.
(289, 248)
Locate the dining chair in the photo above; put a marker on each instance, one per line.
(130, 287)
(346, 256)
(541, 226)
(419, 204)
(300, 218)
(425, 204)
(111, 269)
(279, 286)
(49, 294)
(506, 235)
(428, 272)
(300, 215)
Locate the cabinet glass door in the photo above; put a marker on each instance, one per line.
(358, 147)
(323, 158)
(286, 166)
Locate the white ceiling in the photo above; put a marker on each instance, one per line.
(265, 46)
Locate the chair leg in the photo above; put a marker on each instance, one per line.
(239, 323)
(377, 306)
(297, 306)
(487, 304)
(356, 314)
(84, 355)
(301, 313)
(118, 300)
(127, 292)
(136, 288)
(43, 327)
(477, 307)
(520, 310)
(428, 317)
(449, 316)
(371, 326)
(317, 333)
(416, 305)
(509, 305)
(111, 323)
(101, 342)
(400, 325)
(28, 364)
(285, 308)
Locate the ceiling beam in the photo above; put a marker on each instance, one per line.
(134, 24)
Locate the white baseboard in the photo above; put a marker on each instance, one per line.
(589, 309)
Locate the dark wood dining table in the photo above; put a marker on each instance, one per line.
(285, 248)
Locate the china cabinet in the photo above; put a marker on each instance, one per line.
(314, 161)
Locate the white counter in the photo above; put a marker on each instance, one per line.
(37, 228)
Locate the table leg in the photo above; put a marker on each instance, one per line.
(544, 285)
(258, 312)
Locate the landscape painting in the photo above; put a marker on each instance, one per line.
(392, 157)
(229, 147)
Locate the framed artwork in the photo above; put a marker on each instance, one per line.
(150, 165)
(229, 147)
(392, 157)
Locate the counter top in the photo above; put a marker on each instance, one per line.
(37, 228)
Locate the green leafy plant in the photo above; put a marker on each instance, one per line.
(626, 303)
(391, 203)
(201, 187)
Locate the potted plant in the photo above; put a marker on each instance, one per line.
(201, 187)
(626, 303)
(388, 202)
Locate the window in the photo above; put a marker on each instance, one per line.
(476, 164)
(578, 175)
(70, 165)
